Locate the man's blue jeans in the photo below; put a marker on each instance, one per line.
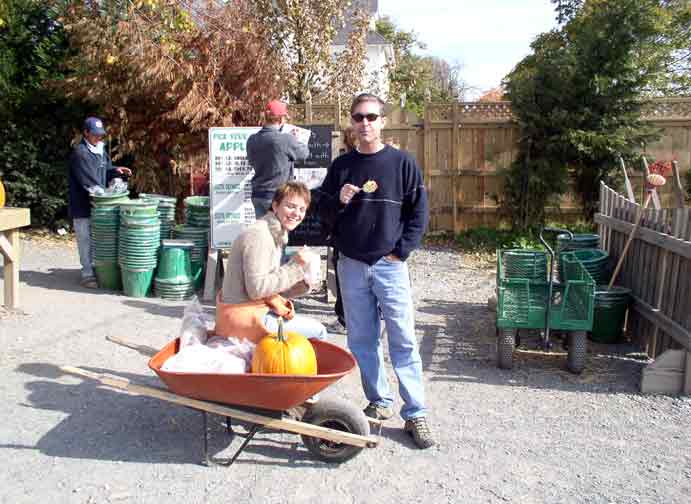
(385, 284)
(261, 206)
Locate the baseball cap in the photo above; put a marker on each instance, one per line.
(277, 108)
(94, 126)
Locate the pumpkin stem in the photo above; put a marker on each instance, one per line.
(280, 334)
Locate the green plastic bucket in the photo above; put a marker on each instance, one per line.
(136, 282)
(580, 241)
(174, 264)
(108, 275)
(104, 200)
(594, 260)
(609, 313)
(173, 291)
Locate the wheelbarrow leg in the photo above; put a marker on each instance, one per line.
(207, 461)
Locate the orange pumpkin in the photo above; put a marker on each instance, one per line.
(287, 353)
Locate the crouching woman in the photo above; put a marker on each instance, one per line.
(257, 288)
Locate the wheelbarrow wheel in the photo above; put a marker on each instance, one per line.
(577, 342)
(506, 341)
(338, 415)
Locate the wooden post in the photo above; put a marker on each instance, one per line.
(454, 164)
(213, 277)
(427, 159)
(308, 111)
(11, 251)
(11, 219)
(676, 185)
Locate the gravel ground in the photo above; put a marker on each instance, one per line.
(533, 434)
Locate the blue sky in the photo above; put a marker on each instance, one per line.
(487, 37)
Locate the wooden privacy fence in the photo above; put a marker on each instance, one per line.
(657, 269)
(464, 147)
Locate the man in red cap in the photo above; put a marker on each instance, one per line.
(272, 154)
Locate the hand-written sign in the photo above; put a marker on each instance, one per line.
(312, 171)
(230, 190)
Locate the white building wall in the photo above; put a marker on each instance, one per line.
(375, 69)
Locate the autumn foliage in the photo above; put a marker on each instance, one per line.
(164, 71)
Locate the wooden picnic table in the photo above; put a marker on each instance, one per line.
(11, 219)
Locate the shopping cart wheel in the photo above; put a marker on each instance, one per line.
(335, 414)
(577, 351)
(506, 341)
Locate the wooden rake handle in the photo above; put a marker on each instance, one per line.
(630, 239)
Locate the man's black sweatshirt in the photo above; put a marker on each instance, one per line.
(390, 220)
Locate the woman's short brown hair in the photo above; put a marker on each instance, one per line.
(349, 138)
(292, 189)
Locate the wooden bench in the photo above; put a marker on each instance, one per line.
(11, 219)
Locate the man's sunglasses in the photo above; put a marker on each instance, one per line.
(369, 117)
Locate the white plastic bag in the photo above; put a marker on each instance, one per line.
(116, 186)
(313, 274)
(200, 354)
(204, 359)
(194, 325)
(243, 349)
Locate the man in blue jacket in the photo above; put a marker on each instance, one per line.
(90, 169)
(375, 198)
(272, 154)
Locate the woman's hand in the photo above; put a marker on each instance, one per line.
(303, 256)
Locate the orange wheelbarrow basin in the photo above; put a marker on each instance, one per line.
(257, 390)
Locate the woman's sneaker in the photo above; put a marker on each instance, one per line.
(378, 412)
(418, 428)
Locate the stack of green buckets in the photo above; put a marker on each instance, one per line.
(139, 241)
(596, 262)
(580, 241)
(196, 230)
(611, 303)
(166, 212)
(174, 273)
(105, 219)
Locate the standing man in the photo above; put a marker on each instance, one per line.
(90, 168)
(376, 200)
(272, 154)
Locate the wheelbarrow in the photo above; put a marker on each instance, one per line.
(529, 298)
(333, 430)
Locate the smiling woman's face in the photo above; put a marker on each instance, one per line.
(290, 211)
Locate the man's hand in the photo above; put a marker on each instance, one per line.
(347, 193)
(123, 170)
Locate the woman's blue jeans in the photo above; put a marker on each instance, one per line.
(307, 326)
(385, 284)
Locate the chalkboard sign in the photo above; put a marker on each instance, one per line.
(312, 171)
(320, 147)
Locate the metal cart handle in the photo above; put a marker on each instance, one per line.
(553, 230)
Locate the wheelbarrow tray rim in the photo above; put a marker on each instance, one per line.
(256, 390)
